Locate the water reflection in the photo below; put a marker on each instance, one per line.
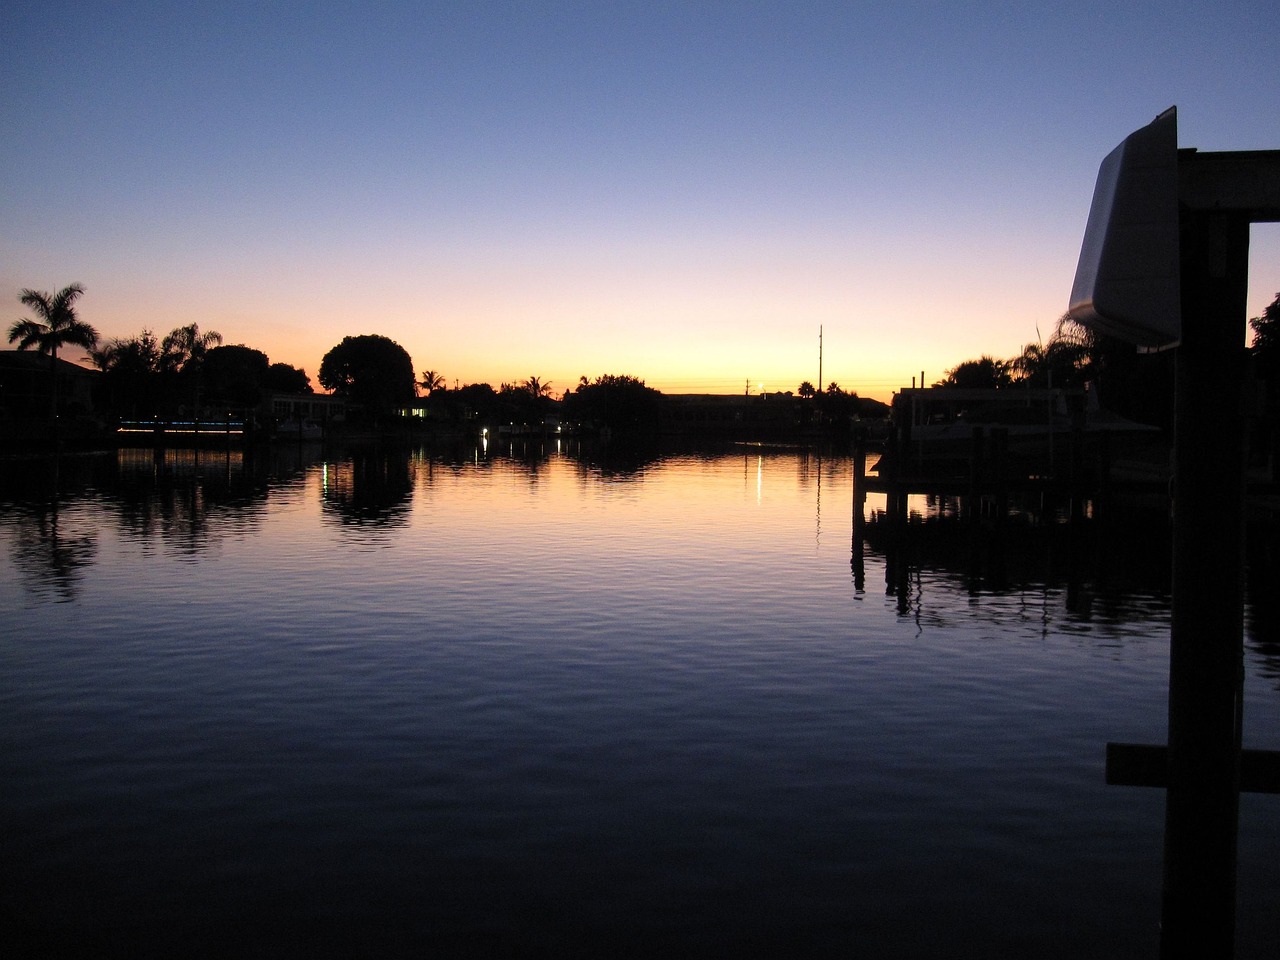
(1099, 564)
(371, 488)
(1262, 606)
(1107, 566)
(50, 559)
(183, 500)
(617, 680)
(177, 502)
(619, 462)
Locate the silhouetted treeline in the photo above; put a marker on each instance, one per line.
(1135, 385)
(143, 377)
(619, 403)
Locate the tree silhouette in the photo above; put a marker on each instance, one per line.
(616, 401)
(476, 402)
(184, 351)
(186, 346)
(1266, 339)
(130, 372)
(431, 381)
(236, 374)
(283, 378)
(56, 325)
(370, 369)
(1064, 361)
(536, 388)
(140, 354)
(1266, 353)
(984, 373)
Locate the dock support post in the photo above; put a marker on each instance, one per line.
(856, 559)
(1206, 635)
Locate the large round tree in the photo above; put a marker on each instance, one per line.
(371, 370)
(236, 374)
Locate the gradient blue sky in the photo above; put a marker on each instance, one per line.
(680, 191)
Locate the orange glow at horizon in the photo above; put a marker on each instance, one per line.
(708, 333)
(510, 193)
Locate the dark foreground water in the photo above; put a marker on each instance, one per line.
(389, 705)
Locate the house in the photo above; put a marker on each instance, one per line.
(319, 408)
(25, 386)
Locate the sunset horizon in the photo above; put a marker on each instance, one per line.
(685, 196)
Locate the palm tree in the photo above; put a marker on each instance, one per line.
(1065, 360)
(431, 381)
(537, 389)
(186, 346)
(1031, 363)
(131, 371)
(184, 351)
(56, 326)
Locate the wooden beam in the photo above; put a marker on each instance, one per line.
(1147, 765)
(1243, 183)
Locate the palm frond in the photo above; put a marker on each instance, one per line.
(27, 334)
(64, 300)
(80, 334)
(38, 301)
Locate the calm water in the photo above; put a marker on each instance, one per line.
(387, 704)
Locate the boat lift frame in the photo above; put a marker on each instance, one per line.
(1203, 768)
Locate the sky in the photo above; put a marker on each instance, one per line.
(686, 192)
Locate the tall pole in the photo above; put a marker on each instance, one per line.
(1206, 626)
(819, 358)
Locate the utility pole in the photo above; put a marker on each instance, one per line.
(819, 358)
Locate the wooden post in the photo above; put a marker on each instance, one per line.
(998, 478)
(1103, 487)
(1000, 472)
(856, 559)
(1206, 636)
(895, 573)
(977, 466)
(1077, 480)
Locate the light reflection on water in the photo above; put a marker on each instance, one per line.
(383, 703)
